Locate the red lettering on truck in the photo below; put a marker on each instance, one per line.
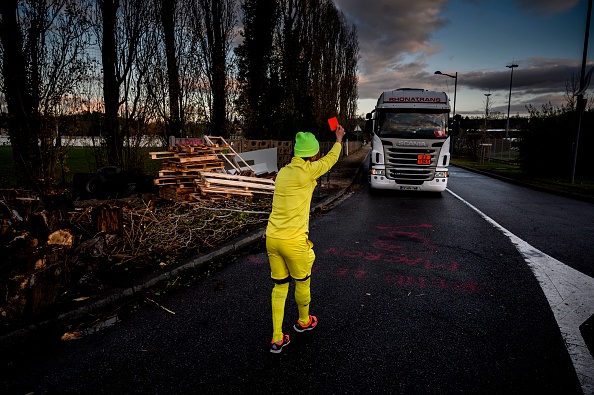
(414, 99)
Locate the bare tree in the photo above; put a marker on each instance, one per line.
(257, 99)
(316, 65)
(17, 89)
(572, 86)
(293, 68)
(213, 28)
(168, 8)
(120, 30)
(175, 81)
(349, 55)
(333, 65)
(43, 46)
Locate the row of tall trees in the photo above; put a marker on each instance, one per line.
(297, 67)
(548, 142)
(43, 59)
(171, 67)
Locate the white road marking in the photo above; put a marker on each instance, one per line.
(570, 294)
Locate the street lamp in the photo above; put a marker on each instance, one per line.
(511, 66)
(455, 77)
(487, 110)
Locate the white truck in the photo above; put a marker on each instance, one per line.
(410, 141)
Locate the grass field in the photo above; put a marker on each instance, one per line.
(82, 160)
(77, 160)
(579, 186)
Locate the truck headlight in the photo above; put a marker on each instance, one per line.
(378, 172)
(441, 174)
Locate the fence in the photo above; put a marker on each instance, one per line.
(501, 150)
(86, 141)
(284, 148)
(482, 148)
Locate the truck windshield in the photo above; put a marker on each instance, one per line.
(412, 125)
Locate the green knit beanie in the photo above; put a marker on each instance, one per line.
(306, 145)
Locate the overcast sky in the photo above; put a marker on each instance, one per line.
(403, 42)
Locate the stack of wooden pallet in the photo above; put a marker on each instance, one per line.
(218, 185)
(194, 172)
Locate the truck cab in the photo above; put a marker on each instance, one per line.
(410, 141)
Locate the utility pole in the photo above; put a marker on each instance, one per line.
(507, 139)
(511, 78)
(487, 110)
(581, 102)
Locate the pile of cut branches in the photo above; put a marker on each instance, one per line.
(54, 256)
(178, 230)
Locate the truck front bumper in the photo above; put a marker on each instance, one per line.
(379, 181)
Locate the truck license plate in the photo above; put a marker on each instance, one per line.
(408, 188)
(423, 159)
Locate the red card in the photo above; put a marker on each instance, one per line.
(333, 122)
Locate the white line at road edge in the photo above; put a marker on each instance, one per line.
(570, 294)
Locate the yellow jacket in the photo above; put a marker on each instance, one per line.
(294, 187)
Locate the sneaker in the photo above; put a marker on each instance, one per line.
(278, 346)
(313, 321)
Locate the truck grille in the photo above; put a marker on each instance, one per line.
(402, 167)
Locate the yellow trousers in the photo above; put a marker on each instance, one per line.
(289, 259)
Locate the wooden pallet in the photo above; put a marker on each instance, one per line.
(227, 180)
(217, 185)
(193, 166)
(181, 173)
(162, 155)
(179, 180)
(176, 193)
(198, 172)
(180, 158)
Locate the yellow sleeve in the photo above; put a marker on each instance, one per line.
(322, 166)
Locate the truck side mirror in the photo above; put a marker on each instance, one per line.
(369, 126)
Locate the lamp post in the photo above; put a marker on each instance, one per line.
(584, 83)
(455, 77)
(511, 66)
(486, 110)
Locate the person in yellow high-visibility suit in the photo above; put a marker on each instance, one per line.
(290, 252)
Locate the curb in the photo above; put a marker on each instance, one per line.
(13, 338)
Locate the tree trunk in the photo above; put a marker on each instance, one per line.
(167, 12)
(107, 219)
(22, 125)
(111, 86)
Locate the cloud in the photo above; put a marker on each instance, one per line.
(401, 27)
(546, 7)
(532, 76)
(398, 41)
(395, 38)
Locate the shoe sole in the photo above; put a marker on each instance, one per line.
(280, 349)
(300, 329)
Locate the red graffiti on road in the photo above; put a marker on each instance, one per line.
(389, 258)
(257, 259)
(432, 282)
(407, 247)
(415, 243)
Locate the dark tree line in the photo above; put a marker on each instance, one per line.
(42, 48)
(547, 142)
(168, 67)
(296, 68)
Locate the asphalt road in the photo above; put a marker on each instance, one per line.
(415, 294)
